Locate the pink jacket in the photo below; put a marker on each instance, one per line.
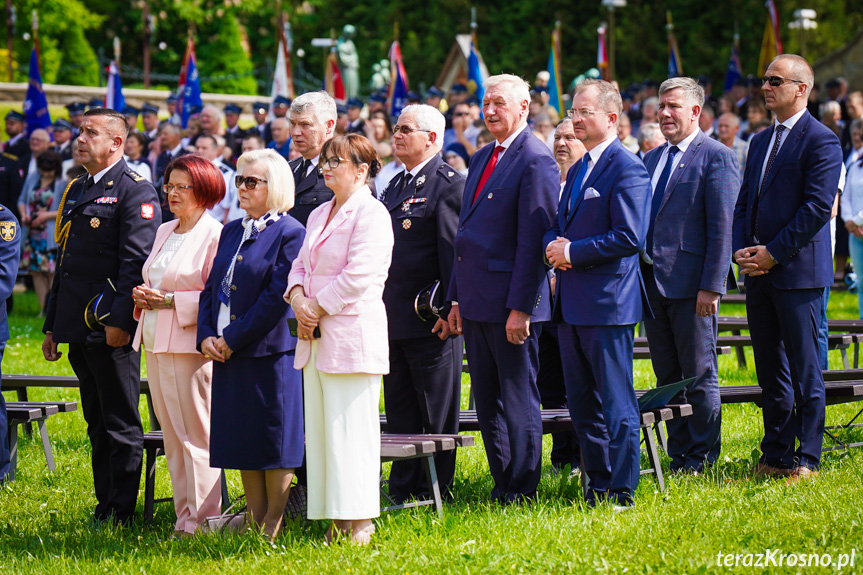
(176, 329)
(344, 265)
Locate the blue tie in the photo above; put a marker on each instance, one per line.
(575, 191)
(658, 194)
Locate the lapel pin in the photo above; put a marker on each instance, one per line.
(94, 223)
(421, 181)
(490, 195)
(406, 224)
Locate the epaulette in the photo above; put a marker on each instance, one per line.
(447, 171)
(134, 175)
(12, 157)
(225, 169)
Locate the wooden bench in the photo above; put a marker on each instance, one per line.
(394, 447)
(25, 413)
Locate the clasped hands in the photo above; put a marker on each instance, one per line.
(555, 253)
(147, 298)
(308, 312)
(754, 261)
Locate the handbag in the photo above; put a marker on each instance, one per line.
(229, 521)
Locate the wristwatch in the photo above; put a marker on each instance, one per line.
(169, 299)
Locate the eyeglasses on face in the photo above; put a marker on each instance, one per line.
(332, 163)
(776, 81)
(251, 182)
(576, 114)
(168, 188)
(407, 130)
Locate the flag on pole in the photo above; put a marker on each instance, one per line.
(554, 76)
(398, 92)
(283, 82)
(333, 82)
(771, 45)
(36, 113)
(675, 66)
(475, 75)
(114, 99)
(734, 71)
(602, 53)
(189, 89)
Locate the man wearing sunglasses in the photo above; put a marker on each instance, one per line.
(782, 246)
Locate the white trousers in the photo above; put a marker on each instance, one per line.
(343, 443)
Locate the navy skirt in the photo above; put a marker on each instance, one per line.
(256, 419)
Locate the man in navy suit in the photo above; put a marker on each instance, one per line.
(499, 286)
(695, 181)
(594, 246)
(422, 391)
(313, 119)
(781, 242)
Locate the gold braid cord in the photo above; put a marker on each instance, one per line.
(61, 231)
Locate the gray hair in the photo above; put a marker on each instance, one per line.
(608, 97)
(800, 68)
(690, 88)
(652, 101)
(562, 122)
(831, 107)
(169, 127)
(280, 180)
(318, 104)
(649, 132)
(516, 87)
(734, 118)
(428, 118)
(214, 110)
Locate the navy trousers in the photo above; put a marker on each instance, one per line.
(683, 345)
(784, 327)
(5, 461)
(422, 394)
(503, 379)
(110, 383)
(552, 395)
(597, 367)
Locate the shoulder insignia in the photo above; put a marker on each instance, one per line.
(134, 175)
(225, 169)
(8, 231)
(10, 156)
(446, 171)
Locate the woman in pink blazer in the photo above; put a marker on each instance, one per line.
(166, 305)
(336, 286)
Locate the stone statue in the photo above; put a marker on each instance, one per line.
(380, 74)
(350, 61)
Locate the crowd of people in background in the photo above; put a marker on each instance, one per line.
(299, 217)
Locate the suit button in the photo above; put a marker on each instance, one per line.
(65, 274)
(75, 217)
(233, 288)
(239, 258)
(461, 229)
(459, 258)
(71, 235)
(233, 317)
(67, 255)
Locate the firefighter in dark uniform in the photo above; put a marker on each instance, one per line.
(10, 239)
(313, 118)
(106, 225)
(422, 392)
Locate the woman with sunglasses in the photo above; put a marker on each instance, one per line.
(166, 307)
(257, 413)
(335, 288)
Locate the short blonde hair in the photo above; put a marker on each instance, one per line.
(280, 179)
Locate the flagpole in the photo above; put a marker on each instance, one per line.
(10, 25)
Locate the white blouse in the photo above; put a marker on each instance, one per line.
(155, 273)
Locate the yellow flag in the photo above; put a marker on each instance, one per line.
(768, 48)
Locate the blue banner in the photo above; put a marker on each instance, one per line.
(474, 74)
(36, 113)
(191, 91)
(114, 98)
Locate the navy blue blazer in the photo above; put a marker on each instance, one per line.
(425, 219)
(10, 242)
(607, 231)
(498, 239)
(795, 206)
(259, 311)
(692, 237)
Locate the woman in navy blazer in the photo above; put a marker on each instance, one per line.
(257, 406)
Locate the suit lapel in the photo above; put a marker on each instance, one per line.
(503, 164)
(411, 188)
(191, 243)
(601, 164)
(562, 218)
(473, 176)
(793, 139)
(309, 180)
(392, 191)
(108, 181)
(675, 176)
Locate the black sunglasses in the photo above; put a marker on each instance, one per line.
(777, 81)
(250, 181)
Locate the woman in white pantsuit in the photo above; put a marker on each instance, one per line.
(336, 284)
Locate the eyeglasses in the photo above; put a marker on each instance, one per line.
(407, 130)
(461, 114)
(576, 114)
(168, 188)
(776, 81)
(332, 163)
(250, 181)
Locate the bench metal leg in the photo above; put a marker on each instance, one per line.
(226, 499)
(154, 421)
(13, 451)
(663, 437)
(471, 404)
(844, 353)
(585, 480)
(22, 396)
(856, 353)
(653, 457)
(431, 477)
(149, 483)
(46, 444)
(740, 352)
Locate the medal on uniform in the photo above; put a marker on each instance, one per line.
(94, 223)
(406, 206)
(421, 181)
(406, 224)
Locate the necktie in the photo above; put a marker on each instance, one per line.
(486, 173)
(658, 194)
(300, 174)
(249, 231)
(90, 183)
(575, 191)
(772, 158)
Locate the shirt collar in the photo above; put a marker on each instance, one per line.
(99, 175)
(685, 143)
(597, 151)
(790, 122)
(508, 142)
(176, 150)
(418, 168)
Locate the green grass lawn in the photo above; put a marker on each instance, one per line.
(44, 516)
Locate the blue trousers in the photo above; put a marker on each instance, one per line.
(683, 345)
(5, 460)
(597, 369)
(503, 379)
(784, 326)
